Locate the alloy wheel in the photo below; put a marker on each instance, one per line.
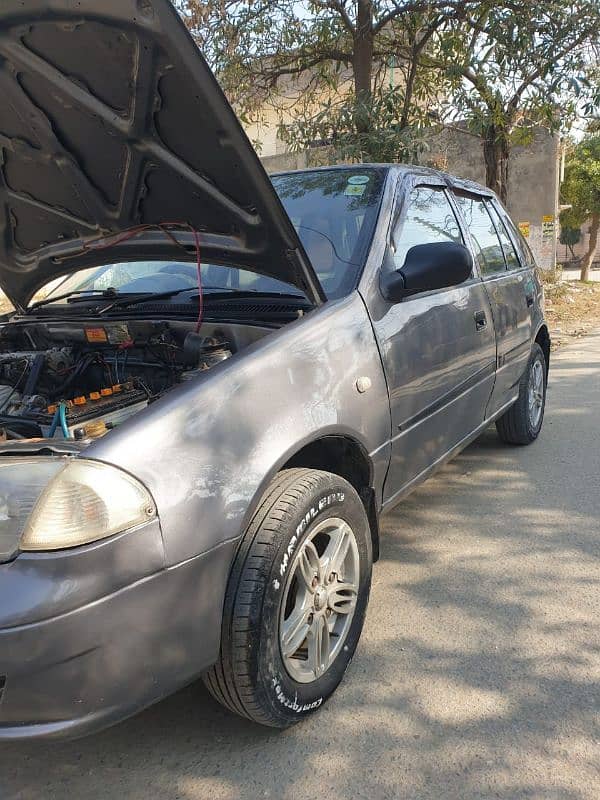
(536, 393)
(319, 600)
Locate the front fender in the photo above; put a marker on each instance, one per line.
(206, 449)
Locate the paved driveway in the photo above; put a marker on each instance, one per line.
(477, 676)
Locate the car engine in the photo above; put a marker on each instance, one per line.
(79, 381)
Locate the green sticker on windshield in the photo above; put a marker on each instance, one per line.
(354, 190)
(358, 180)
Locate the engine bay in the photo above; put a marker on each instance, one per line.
(78, 380)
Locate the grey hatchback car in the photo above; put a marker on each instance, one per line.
(203, 423)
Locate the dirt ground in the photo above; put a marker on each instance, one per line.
(572, 309)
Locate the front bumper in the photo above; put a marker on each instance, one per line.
(81, 669)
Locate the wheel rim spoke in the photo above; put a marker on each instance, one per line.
(309, 566)
(295, 630)
(342, 599)
(337, 550)
(319, 647)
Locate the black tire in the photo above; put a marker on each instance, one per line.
(516, 425)
(250, 677)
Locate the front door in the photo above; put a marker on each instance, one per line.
(438, 348)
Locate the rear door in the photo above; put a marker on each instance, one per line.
(509, 288)
(438, 347)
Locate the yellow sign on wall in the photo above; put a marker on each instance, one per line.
(524, 227)
(547, 227)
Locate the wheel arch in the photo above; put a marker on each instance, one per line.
(346, 457)
(542, 338)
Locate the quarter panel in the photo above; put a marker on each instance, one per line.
(208, 448)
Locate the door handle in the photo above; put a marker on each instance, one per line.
(529, 298)
(480, 320)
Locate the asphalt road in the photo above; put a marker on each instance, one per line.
(478, 672)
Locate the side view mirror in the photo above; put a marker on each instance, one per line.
(429, 266)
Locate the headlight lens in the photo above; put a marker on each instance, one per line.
(58, 503)
(22, 480)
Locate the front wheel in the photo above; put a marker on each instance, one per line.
(522, 423)
(296, 599)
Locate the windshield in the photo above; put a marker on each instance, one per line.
(167, 276)
(334, 212)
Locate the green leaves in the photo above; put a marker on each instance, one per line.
(367, 77)
(581, 186)
(353, 130)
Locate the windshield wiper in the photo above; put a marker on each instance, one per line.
(134, 299)
(72, 295)
(148, 297)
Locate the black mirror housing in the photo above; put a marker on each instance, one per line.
(438, 265)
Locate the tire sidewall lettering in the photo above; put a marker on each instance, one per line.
(318, 507)
(293, 705)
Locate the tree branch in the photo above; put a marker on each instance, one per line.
(271, 76)
(337, 5)
(542, 68)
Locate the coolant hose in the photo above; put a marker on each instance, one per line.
(54, 425)
(60, 416)
(62, 411)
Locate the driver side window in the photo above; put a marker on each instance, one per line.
(428, 218)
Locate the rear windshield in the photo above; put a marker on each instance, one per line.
(334, 212)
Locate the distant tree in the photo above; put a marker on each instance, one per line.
(516, 66)
(352, 67)
(365, 76)
(581, 189)
(570, 237)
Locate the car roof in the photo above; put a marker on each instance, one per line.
(454, 181)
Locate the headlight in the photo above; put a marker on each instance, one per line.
(57, 503)
(22, 480)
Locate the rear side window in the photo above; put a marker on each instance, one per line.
(510, 254)
(483, 234)
(429, 218)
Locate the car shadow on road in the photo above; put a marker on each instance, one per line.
(477, 675)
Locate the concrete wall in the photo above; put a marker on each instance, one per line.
(533, 182)
(533, 179)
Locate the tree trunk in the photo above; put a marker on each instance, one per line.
(496, 152)
(588, 259)
(410, 85)
(363, 64)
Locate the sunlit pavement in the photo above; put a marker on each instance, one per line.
(478, 673)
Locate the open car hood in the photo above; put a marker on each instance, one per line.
(110, 118)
